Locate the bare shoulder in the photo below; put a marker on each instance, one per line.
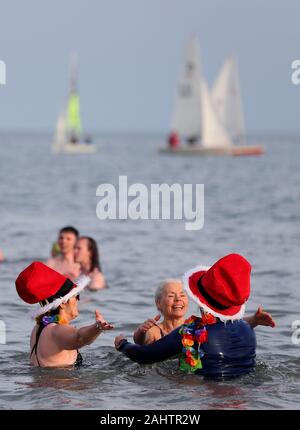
(152, 335)
(52, 262)
(61, 330)
(97, 280)
(64, 337)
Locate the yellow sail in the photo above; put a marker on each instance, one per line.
(73, 114)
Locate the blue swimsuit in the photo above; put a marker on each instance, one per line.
(229, 352)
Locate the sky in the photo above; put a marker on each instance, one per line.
(130, 53)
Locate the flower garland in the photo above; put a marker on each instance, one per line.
(56, 319)
(194, 333)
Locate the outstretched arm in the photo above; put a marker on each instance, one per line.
(68, 337)
(160, 350)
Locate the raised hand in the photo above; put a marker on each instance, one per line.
(101, 321)
(146, 325)
(263, 318)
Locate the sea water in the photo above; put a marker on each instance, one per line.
(252, 206)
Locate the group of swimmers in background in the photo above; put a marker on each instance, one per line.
(74, 255)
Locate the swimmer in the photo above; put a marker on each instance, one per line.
(217, 344)
(172, 303)
(87, 255)
(64, 262)
(54, 341)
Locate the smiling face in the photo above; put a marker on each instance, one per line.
(173, 302)
(66, 241)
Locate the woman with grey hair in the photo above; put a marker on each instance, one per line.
(172, 302)
(219, 342)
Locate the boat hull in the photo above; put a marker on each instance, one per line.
(200, 150)
(77, 148)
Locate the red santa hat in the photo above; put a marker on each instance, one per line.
(39, 283)
(221, 289)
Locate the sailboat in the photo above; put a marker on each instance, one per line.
(69, 137)
(209, 122)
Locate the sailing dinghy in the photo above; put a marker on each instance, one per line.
(208, 122)
(69, 137)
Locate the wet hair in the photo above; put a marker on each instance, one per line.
(69, 229)
(161, 288)
(93, 248)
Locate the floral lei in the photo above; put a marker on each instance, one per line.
(194, 333)
(56, 319)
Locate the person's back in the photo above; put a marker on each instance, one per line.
(230, 350)
(45, 349)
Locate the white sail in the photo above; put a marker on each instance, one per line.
(214, 135)
(226, 96)
(60, 133)
(186, 119)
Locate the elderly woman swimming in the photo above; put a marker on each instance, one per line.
(172, 302)
(217, 344)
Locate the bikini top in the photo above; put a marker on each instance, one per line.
(162, 333)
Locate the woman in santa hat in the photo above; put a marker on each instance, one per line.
(217, 344)
(54, 342)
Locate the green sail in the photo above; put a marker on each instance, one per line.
(73, 114)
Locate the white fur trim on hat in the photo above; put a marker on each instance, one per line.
(204, 306)
(82, 281)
